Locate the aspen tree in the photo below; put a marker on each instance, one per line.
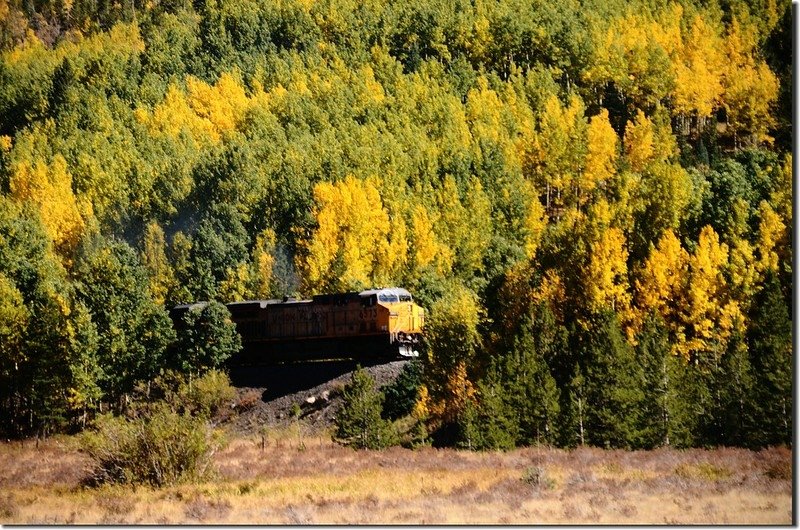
(601, 155)
(639, 142)
(49, 186)
(155, 261)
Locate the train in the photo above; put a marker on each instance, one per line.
(374, 324)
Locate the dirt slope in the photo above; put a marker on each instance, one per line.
(315, 387)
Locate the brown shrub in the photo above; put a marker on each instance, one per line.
(115, 504)
(779, 470)
(248, 400)
(8, 508)
(703, 471)
(202, 509)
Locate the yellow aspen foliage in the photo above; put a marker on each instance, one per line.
(372, 91)
(771, 231)
(707, 313)
(351, 224)
(666, 28)
(663, 277)
(597, 220)
(751, 90)
(458, 391)
(427, 248)
(601, 155)
(174, 115)
(634, 51)
(30, 51)
(607, 60)
(557, 151)
(740, 41)
(263, 263)
(639, 142)
(392, 253)
(742, 271)
(155, 261)
(422, 407)
(222, 105)
(661, 286)
(606, 277)
(534, 225)
(781, 197)
(49, 186)
(452, 331)
(668, 189)
(464, 227)
(235, 284)
(552, 292)
(484, 111)
(205, 111)
(699, 70)
(122, 40)
(480, 41)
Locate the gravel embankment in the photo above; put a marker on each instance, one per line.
(315, 387)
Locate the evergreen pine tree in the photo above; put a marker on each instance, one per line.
(498, 430)
(737, 399)
(488, 423)
(706, 380)
(770, 343)
(358, 422)
(614, 383)
(403, 393)
(573, 415)
(207, 339)
(531, 390)
(658, 365)
(469, 428)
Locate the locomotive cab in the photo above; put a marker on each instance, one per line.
(401, 317)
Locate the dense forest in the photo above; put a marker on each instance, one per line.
(592, 200)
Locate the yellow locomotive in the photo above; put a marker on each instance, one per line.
(377, 323)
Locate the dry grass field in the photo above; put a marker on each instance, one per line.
(289, 478)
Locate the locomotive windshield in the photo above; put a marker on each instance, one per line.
(388, 295)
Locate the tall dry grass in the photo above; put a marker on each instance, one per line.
(293, 477)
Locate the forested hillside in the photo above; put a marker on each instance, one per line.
(592, 199)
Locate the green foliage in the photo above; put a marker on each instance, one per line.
(451, 333)
(48, 364)
(133, 332)
(159, 449)
(769, 341)
(489, 424)
(612, 386)
(207, 395)
(206, 338)
(358, 422)
(660, 415)
(218, 247)
(529, 390)
(403, 392)
(538, 479)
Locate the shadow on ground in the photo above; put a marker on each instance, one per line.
(283, 379)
